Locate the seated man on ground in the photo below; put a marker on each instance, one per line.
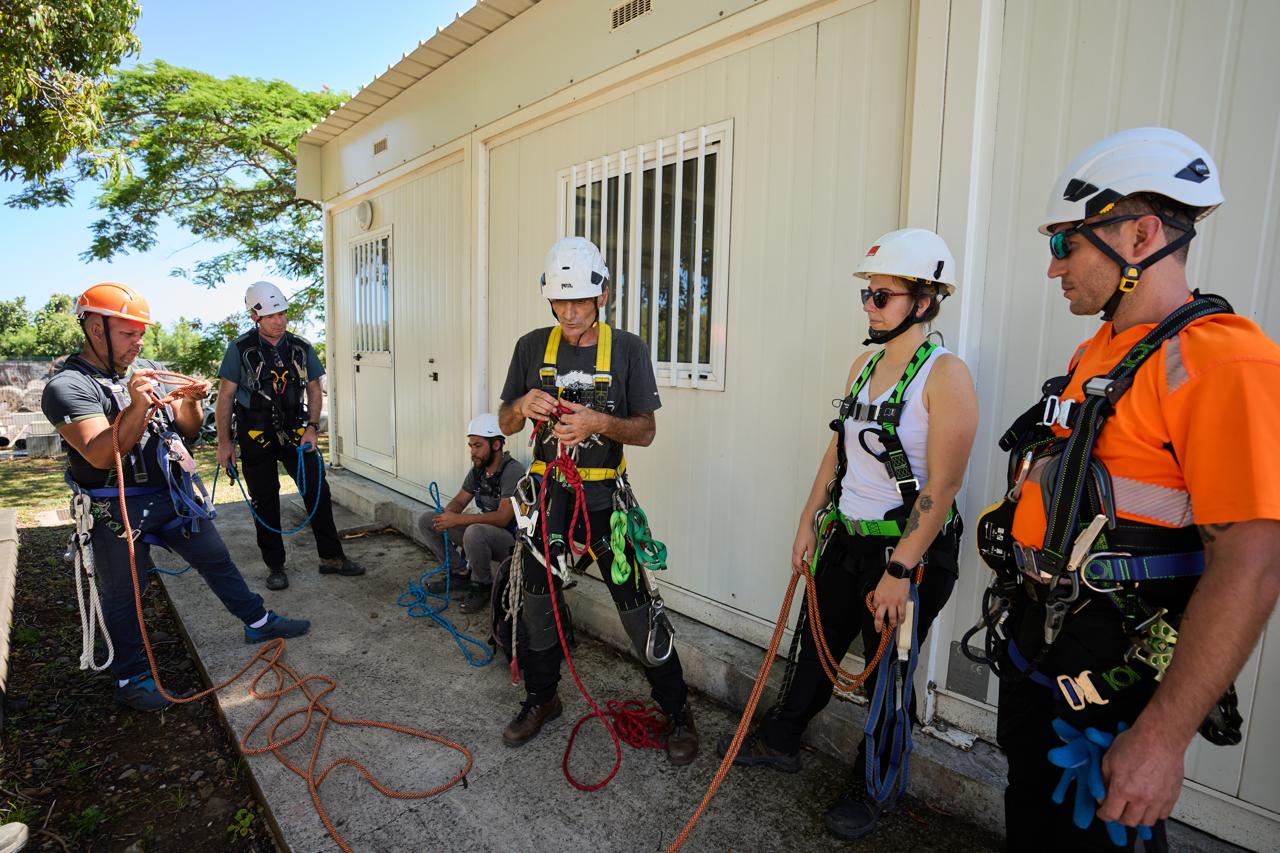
(484, 537)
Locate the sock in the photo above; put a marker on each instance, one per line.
(121, 682)
(263, 621)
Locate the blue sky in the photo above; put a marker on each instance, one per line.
(309, 44)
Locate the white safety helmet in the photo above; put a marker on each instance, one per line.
(1145, 159)
(574, 269)
(264, 298)
(485, 426)
(915, 253)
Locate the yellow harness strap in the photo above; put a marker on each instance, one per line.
(603, 379)
(538, 468)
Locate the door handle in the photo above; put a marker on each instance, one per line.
(435, 377)
(358, 356)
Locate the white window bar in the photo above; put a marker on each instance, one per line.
(695, 295)
(362, 293)
(586, 208)
(673, 298)
(637, 204)
(622, 197)
(604, 223)
(655, 261)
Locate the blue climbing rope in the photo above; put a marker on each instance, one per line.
(154, 570)
(891, 702)
(1080, 758)
(301, 480)
(420, 603)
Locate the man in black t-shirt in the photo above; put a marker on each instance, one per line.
(106, 383)
(485, 537)
(604, 379)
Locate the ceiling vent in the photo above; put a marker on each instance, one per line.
(625, 13)
(380, 145)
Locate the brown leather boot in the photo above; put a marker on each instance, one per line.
(682, 737)
(530, 720)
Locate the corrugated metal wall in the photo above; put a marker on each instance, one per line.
(1072, 72)
(818, 116)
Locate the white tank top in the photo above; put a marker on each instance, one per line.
(867, 491)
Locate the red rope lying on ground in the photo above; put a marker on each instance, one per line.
(287, 679)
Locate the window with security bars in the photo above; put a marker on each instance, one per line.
(371, 263)
(659, 213)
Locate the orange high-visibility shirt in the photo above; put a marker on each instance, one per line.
(1195, 440)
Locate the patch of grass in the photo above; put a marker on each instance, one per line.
(179, 799)
(242, 824)
(18, 813)
(87, 821)
(24, 635)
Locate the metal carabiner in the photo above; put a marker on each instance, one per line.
(1096, 555)
(658, 620)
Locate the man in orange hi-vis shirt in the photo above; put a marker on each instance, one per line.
(1135, 551)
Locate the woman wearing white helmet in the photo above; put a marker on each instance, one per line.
(883, 497)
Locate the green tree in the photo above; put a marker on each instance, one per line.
(54, 61)
(52, 331)
(191, 346)
(218, 157)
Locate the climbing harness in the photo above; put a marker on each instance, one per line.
(301, 468)
(277, 402)
(1087, 554)
(287, 682)
(1080, 758)
(420, 603)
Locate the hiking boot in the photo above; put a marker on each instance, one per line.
(277, 626)
(852, 817)
(682, 737)
(340, 566)
(754, 752)
(277, 580)
(530, 721)
(477, 599)
(141, 694)
(458, 584)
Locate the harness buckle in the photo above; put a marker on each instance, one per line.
(1101, 555)
(1079, 691)
(902, 484)
(1057, 412)
(1157, 647)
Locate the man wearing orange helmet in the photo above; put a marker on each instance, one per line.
(107, 383)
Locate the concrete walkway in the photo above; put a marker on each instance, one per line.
(408, 671)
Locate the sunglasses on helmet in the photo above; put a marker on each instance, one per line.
(880, 297)
(1060, 245)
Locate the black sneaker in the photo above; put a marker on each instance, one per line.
(754, 752)
(477, 598)
(458, 585)
(141, 694)
(852, 817)
(340, 566)
(277, 580)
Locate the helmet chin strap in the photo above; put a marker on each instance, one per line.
(1131, 273)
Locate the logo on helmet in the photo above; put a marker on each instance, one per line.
(1197, 171)
(872, 251)
(1078, 189)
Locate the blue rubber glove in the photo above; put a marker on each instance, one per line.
(1081, 761)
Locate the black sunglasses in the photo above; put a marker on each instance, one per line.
(1060, 245)
(880, 297)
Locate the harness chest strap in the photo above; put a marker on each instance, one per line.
(602, 382)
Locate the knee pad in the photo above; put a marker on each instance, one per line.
(539, 621)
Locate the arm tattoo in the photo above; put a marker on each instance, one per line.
(913, 522)
(1210, 532)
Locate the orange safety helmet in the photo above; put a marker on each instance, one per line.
(114, 300)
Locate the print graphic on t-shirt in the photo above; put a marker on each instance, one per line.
(579, 387)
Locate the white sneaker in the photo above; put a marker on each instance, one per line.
(13, 837)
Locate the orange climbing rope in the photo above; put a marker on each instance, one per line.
(844, 681)
(287, 679)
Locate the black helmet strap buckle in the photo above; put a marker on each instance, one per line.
(1131, 273)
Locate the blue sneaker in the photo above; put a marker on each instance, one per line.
(277, 626)
(141, 694)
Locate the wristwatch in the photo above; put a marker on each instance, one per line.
(898, 570)
(314, 424)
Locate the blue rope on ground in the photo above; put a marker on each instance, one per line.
(302, 489)
(420, 603)
(174, 572)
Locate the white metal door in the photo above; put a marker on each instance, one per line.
(372, 359)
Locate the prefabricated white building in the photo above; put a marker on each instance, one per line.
(734, 159)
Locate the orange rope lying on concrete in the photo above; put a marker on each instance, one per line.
(287, 679)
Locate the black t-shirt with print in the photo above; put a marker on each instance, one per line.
(634, 389)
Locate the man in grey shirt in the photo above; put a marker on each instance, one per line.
(484, 537)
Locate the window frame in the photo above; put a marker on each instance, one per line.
(681, 149)
(354, 245)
